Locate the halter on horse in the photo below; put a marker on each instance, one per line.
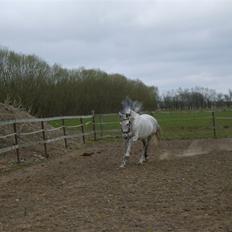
(137, 127)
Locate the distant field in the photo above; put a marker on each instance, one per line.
(174, 125)
(188, 125)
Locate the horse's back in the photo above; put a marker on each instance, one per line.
(151, 119)
(149, 124)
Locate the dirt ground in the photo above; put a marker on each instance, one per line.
(185, 186)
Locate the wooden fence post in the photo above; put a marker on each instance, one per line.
(64, 132)
(94, 126)
(82, 130)
(214, 125)
(16, 141)
(101, 125)
(44, 139)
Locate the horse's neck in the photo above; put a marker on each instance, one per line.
(135, 120)
(134, 115)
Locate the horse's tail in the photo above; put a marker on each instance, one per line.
(158, 135)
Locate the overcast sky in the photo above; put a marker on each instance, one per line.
(166, 43)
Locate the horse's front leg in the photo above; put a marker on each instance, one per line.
(126, 156)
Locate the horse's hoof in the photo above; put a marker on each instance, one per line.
(123, 165)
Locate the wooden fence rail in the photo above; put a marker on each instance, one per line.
(16, 135)
(30, 120)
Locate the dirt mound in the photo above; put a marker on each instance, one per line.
(9, 112)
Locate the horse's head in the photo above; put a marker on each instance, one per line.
(126, 120)
(125, 124)
(130, 110)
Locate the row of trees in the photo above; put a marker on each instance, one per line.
(195, 98)
(52, 90)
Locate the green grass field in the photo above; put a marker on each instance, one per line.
(174, 125)
(189, 125)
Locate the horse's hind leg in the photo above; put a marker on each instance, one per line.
(143, 155)
(146, 147)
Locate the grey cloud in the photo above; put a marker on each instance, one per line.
(164, 43)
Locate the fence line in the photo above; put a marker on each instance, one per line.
(30, 133)
(31, 120)
(224, 118)
(106, 123)
(5, 136)
(19, 135)
(25, 145)
(95, 129)
(54, 129)
(186, 119)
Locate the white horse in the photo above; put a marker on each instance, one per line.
(137, 127)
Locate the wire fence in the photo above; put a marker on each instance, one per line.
(197, 127)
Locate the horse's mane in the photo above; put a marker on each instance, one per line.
(128, 105)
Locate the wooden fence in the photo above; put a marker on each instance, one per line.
(96, 125)
(42, 131)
